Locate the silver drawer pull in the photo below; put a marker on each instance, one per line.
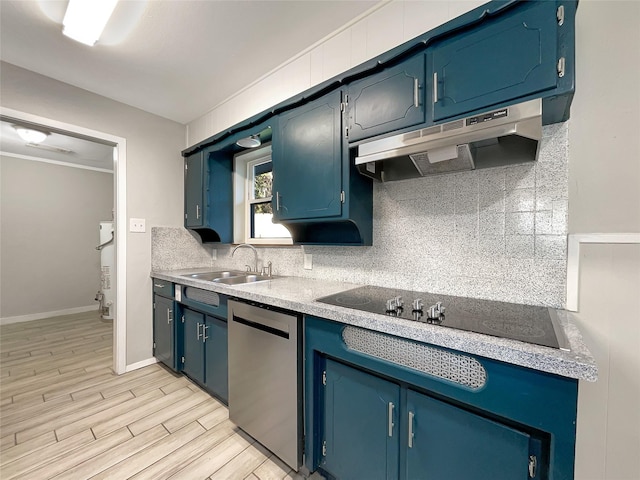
(390, 419)
(169, 315)
(416, 93)
(410, 435)
(159, 285)
(435, 87)
(199, 334)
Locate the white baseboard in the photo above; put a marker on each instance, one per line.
(40, 316)
(141, 364)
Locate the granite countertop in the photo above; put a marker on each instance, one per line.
(299, 294)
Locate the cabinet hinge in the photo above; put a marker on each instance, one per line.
(182, 359)
(324, 448)
(185, 216)
(324, 377)
(560, 15)
(561, 63)
(346, 131)
(154, 346)
(186, 166)
(533, 463)
(154, 305)
(342, 196)
(182, 318)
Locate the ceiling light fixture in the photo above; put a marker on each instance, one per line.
(249, 142)
(29, 135)
(85, 19)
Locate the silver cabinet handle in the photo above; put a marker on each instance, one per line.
(198, 212)
(169, 315)
(159, 285)
(435, 87)
(391, 406)
(410, 439)
(416, 93)
(277, 201)
(204, 332)
(199, 334)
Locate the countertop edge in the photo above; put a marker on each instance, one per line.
(299, 294)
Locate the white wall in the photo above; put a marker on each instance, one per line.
(50, 216)
(604, 197)
(390, 25)
(603, 184)
(154, 174)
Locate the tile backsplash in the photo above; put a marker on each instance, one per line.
(498, 233)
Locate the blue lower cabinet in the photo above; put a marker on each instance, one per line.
(216, 357)
(164, 330)
(205, 351)
(368, 416)
(193, 357)
(452, 443)
(360, 425)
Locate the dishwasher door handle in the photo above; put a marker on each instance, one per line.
(260, 326)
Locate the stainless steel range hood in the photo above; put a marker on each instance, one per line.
(500, 137)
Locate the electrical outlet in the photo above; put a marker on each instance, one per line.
(308, 261)
(137, 225)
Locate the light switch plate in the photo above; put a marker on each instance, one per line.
(308, 261)
(137, 225)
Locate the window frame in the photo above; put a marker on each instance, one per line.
(243, 173)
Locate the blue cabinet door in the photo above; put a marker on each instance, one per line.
(194, 190)
(447, 442)
(193, 349)
(501, 59)
(216, 355)
(163, 330)
(360, 425)
(387, 101)
(307, 156)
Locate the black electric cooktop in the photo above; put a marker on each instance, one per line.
(526, 323)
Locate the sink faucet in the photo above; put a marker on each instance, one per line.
(255, 254)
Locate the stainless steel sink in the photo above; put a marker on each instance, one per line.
(244, 278)
(213, 276)
(228, 277)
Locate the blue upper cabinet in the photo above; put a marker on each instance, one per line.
(387, 101)
(307, 161)
(208, 196)
(318, 195)
(194, 190)
(497, 60)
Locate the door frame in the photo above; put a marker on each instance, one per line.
(120, 208)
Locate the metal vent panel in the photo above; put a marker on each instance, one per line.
(204, 296)
(457, 368)
(452, 125)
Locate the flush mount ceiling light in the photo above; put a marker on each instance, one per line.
(249, 142)
(30, 135)
(85, 19)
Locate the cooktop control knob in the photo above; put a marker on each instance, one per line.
(391, 305)
(399, 302)
(436, 311)
(417, 305)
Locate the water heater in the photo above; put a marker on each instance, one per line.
(106, 295)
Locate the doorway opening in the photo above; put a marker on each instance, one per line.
(14, 119)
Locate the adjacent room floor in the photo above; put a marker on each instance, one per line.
(65, 414)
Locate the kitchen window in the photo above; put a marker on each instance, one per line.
(253, 180)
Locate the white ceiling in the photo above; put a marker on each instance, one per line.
(173, 58)
(56, 148)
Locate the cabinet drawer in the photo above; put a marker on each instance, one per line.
(163, 287)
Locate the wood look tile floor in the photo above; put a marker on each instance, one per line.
(65, 414)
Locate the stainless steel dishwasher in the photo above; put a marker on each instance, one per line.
(265, 377)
